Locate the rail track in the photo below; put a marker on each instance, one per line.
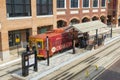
(80, 68)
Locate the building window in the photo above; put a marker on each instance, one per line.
(95, 3)
(44, 7)
(103, 3)
(74, 3)
(85, 3)
(18, 8)
(61, 3)
(12, 37)
(43, 29)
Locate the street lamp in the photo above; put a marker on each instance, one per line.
(111, 30)
(73, 37)
(47, 48)
(73, 41)
(111, 26)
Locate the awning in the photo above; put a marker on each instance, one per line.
(89, 26)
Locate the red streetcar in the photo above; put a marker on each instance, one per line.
(58, 40)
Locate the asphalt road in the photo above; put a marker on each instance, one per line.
(112, 73)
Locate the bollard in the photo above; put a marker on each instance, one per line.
(87, 73)
(96, 66)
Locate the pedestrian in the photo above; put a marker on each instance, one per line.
(27, 48)
(83, 43)
(34, 49)
(104, 36)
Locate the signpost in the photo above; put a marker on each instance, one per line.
(17, 40)
(27, 62)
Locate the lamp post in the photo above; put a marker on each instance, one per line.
(111, 26)
(73, 41)
(97, 36)
(111, 30)
(47, 48)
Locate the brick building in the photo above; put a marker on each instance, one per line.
(22, 18)
(114, 13)
(78, 11)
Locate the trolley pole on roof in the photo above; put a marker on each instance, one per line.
(73, 41)
(47, 48)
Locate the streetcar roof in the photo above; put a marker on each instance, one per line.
(52, 33)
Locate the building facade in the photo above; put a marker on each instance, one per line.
(78, 11)
(114, 13)
(22, 18)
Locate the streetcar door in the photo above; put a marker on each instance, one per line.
(39, 47)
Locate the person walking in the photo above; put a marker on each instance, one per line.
(27, 48)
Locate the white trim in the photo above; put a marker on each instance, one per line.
(61, 8)
(85, 7)
(14, 18)
(85, 11)
(95, 10)
(41, 16)
(75, 7)
(65, 3)
(60, 12)
(102, 10)
(74, 12)
(97, 6)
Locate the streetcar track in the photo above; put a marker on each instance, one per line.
(100, 72)
(91, 65)
(9, 72)
(94, 60)
(1, 69)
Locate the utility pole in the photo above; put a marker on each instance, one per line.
(47, 48)
(73, 41)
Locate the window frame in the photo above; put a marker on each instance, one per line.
(39, 3)
(10, 13)
(103, 6)
(64, 5)
(83, 4)
(75, 7)
(93, 4)
(12, 36)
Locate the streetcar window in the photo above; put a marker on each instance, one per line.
(39, 44)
